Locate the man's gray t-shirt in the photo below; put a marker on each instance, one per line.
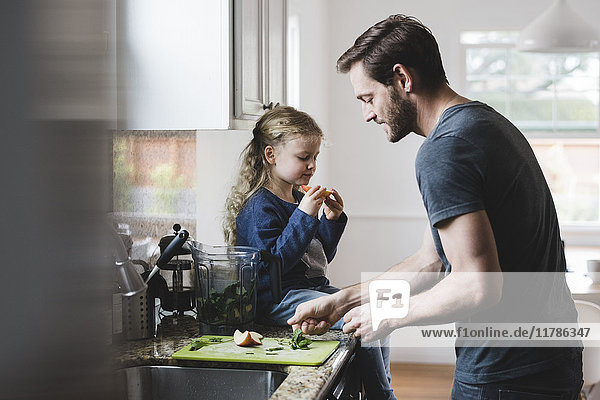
(475, 159)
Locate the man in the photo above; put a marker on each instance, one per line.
(490, 212)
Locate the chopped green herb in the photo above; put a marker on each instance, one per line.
(298, 341)
(232, 305)
(277, 348)
(199, 343)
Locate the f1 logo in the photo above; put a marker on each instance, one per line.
(389, 299)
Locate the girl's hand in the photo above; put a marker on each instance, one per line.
(333, 207)
(312, 201)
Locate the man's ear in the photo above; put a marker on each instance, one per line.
(270, 154)
(403, 77)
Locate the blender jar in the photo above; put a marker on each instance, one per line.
(226, 286)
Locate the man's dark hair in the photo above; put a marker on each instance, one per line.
(399, 39)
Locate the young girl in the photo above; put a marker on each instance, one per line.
(265, 210)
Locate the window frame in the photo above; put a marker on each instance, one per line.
(576, 234)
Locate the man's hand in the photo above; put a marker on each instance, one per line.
(358, 320)
(315, 317)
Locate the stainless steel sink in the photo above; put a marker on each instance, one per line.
(174, 383)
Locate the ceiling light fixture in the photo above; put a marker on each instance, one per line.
(559, 30)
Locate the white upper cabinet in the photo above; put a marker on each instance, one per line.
(194, 64)
(173, 64)
(259, 56)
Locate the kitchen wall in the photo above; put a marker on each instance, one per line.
(375, 178)
(218, 151)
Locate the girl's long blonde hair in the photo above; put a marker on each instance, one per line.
(274, 128)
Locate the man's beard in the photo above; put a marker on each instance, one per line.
(401, 117)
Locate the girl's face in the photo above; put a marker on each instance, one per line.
(295, 161)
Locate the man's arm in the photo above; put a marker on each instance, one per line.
(424, 260)
(470, 247)
(315, 316)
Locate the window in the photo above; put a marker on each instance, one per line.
(554, 100)
(154, 185)
(548, 93)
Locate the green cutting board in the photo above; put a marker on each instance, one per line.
(228, 351)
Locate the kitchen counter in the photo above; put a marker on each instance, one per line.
(583, 288)
(302, 382)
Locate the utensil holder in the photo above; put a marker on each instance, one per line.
(139, 317)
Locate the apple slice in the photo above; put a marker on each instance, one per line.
(257, 337)
(307, 188)
(247, 338)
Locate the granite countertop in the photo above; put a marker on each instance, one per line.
(302, 382)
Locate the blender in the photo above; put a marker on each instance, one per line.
(226, 285)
